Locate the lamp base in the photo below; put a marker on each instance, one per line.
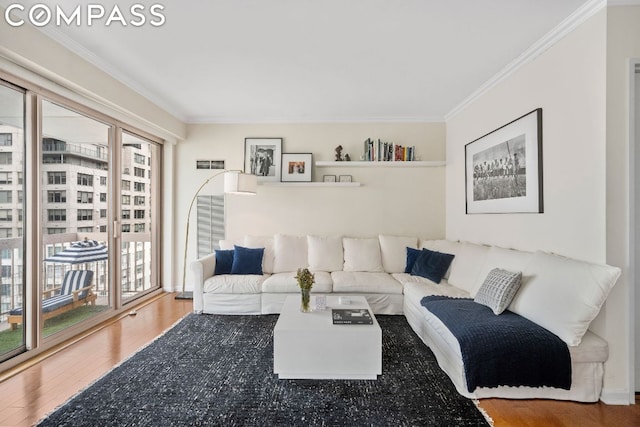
(184, 295)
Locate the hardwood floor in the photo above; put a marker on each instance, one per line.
(28, 396)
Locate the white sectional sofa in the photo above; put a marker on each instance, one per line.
(560, 294)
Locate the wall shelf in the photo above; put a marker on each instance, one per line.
(362, 164)
(310, 184)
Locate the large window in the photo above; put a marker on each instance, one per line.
(76, 193)
(12, 265)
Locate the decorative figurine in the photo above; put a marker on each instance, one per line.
(339, 153)
(347, 157)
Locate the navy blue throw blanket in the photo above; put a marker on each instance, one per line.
(507, 349)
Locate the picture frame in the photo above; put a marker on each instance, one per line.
(329, 178)
(503, 169)
(262, 157)
(345, 178)
(296, 167)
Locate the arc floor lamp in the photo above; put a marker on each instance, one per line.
(235, 182)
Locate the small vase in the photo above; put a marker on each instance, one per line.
(305, 303)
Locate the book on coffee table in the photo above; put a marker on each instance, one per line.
(351, 316)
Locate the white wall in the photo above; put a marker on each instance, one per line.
(623, 43)
(569, 82)
(399, 201)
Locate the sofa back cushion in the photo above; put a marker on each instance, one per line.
(563, 295)
(266, 243)
(362, 254)
(466, 266)
(290, 253)
(506, 259)
(394, 252)
(325, 253)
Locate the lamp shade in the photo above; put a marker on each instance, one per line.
(240, 183)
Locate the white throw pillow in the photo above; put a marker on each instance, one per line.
(262, 242)
(325, 253)
(498, 289)
(563, 295)
(394, 252)
(226, 245)
(290, 253)
(362, 254)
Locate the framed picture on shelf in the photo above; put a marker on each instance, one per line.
(329, 178)
(345, 178)
(503, 169)
(262, 157)
(296, 167)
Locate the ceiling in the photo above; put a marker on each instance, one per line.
(305, 60)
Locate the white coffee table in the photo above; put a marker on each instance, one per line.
(310, 346)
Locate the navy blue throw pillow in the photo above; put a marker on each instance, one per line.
(224, 261)
(247, 260)
(412, 255)
(432, 265)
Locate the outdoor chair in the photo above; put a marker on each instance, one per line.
(76, 290)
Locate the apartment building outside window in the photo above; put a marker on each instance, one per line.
(57, 178)
(138, 186)
(84, 179)
(6, 139)
(138, 158)
(85, 214)
(139, 172)
(6, 196)
(126, 214)
(6, 215)
(56, 215)
(85, 197)
(6, 178)
(138, 200)
(126, 185)
(138, 214)
(6, 158)
(57, 196)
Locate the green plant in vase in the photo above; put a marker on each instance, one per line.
(305, 280)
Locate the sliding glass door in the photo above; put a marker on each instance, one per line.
(74, 202)
(139, 215)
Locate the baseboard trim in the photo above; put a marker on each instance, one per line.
(616, 397)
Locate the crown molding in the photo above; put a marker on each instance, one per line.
(301, 120)
(578, 17)
(106, 67)
(613, 3)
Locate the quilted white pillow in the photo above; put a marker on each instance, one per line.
(563, 295)
(362, 254)
(290, 253)
(267, 244)
(394, 252)
(498, 289)
(325, 253)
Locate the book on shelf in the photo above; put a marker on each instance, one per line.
(381, 151)
(351, 316)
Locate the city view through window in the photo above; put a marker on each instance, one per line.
(95, 219)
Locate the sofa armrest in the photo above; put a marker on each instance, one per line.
(201, 269)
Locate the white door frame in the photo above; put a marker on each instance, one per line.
(634, 225)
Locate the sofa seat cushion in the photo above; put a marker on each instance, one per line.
(286, 283)
(365, 282)
(416, 287)
(235, 284)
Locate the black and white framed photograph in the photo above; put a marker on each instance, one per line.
(503, 169)
(296, 167)
(329, 178)
(345, 178)
(262, 158)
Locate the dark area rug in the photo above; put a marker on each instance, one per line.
(218, 370)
